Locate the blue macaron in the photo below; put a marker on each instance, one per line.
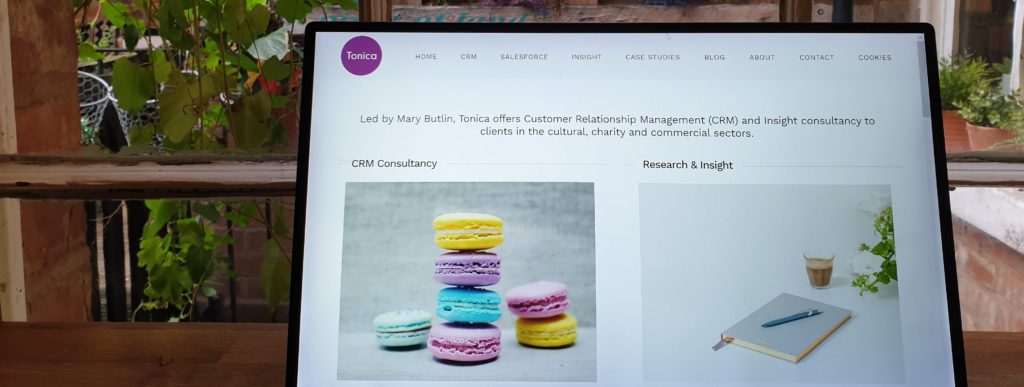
(468, 305)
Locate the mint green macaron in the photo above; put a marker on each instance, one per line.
(401, 328)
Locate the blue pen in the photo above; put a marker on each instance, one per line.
(798, 316)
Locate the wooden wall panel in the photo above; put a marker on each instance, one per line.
(45, 89)
(12, 273)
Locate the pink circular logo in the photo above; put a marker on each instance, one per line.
(361, 55)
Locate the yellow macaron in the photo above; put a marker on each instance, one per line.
(465, 231)
(548, 332)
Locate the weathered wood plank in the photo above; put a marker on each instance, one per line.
(119, 177)
(375, 10)
(203, 354)
(13, 305)
(98, 177)
(142, 354)
(8, 132)
(616, 13)
(994, 358)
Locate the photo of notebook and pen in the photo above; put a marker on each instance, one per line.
(788, 327)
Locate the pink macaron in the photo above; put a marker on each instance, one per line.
(538, 299)
(468, 268)
(464, 342)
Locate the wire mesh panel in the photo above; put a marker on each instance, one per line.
(92, 100)
(150, 114)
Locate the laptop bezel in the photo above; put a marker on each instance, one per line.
(941, 179)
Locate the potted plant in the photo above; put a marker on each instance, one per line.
(959, 78)
(992, 119)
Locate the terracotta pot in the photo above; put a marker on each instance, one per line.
(953, 128)
(984, 137)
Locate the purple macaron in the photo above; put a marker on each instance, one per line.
(468, 268)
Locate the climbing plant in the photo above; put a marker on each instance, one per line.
(224, 76)
(182, 252)
(224, 73)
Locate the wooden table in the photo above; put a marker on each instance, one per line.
(164, 354)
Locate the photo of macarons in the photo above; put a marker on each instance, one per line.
(468, 305)
(465, 342)
(468, 268)
(548, 332)
(402, 328)
(538, 299)
(457, 250)
(467, 231)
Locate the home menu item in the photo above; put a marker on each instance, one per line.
(597, 205)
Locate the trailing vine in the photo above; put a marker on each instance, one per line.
(886, 249)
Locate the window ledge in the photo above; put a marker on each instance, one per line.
(134, 177)
(996, 211)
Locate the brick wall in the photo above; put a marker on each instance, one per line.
(251, 301)
(991, 279)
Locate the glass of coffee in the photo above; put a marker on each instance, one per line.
(819, 268)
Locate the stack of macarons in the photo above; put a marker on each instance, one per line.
(468, 335)
(543, 321)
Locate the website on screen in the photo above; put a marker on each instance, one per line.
(622, 209)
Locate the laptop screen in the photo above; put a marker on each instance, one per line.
(622, 205)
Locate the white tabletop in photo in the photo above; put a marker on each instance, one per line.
(516, 362)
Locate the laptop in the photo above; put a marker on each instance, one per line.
(610, 205)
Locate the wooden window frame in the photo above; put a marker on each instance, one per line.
(64, 178)
(12, 269)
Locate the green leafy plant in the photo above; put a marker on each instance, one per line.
(182, 252)
(1004, 66)
(962, 77)
(87, 46)
(993, 109)
(986, 104)
(886, 249)
(225, 78)
(88, 133)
